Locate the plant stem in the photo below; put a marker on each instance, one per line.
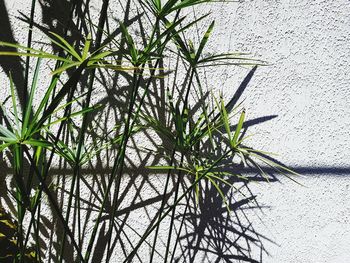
(168, 178)
(189, 189)
(29, 44)
(101, 24)
(53, 203)
(179, 231)
(122, 150)
(48, 164)
(117, 162)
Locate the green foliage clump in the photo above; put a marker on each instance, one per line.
(200, 145)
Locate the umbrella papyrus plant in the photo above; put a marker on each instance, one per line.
(118, 81)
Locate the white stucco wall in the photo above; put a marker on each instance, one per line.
(307, 86)
(307, 44)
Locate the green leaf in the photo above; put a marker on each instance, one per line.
(7, 133)
(5, 145)
(167, 7)
(157, 42)
(71, 50)
(14, 104)
(161, 167)
(43, 102)
(71, 83)
(38, 55)
(86, 47)
(274, 164)
(238, 128)
(28, 110)
(18, 160)
(197, 187)
(157, 4)
(204, 41)
(130, 43)
(181, 44)
(69, 103)
(225, 120)
(100, 56)
(7, 139)
(37, 143)
(65, 67)
(239, 57)
(220, 193)
(74, 114)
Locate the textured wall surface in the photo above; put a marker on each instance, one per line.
(307, 84)
(308, 87)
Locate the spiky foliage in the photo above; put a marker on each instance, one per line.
(66, 126)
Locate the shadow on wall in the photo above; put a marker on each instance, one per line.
(204, 229)
(11, 64)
